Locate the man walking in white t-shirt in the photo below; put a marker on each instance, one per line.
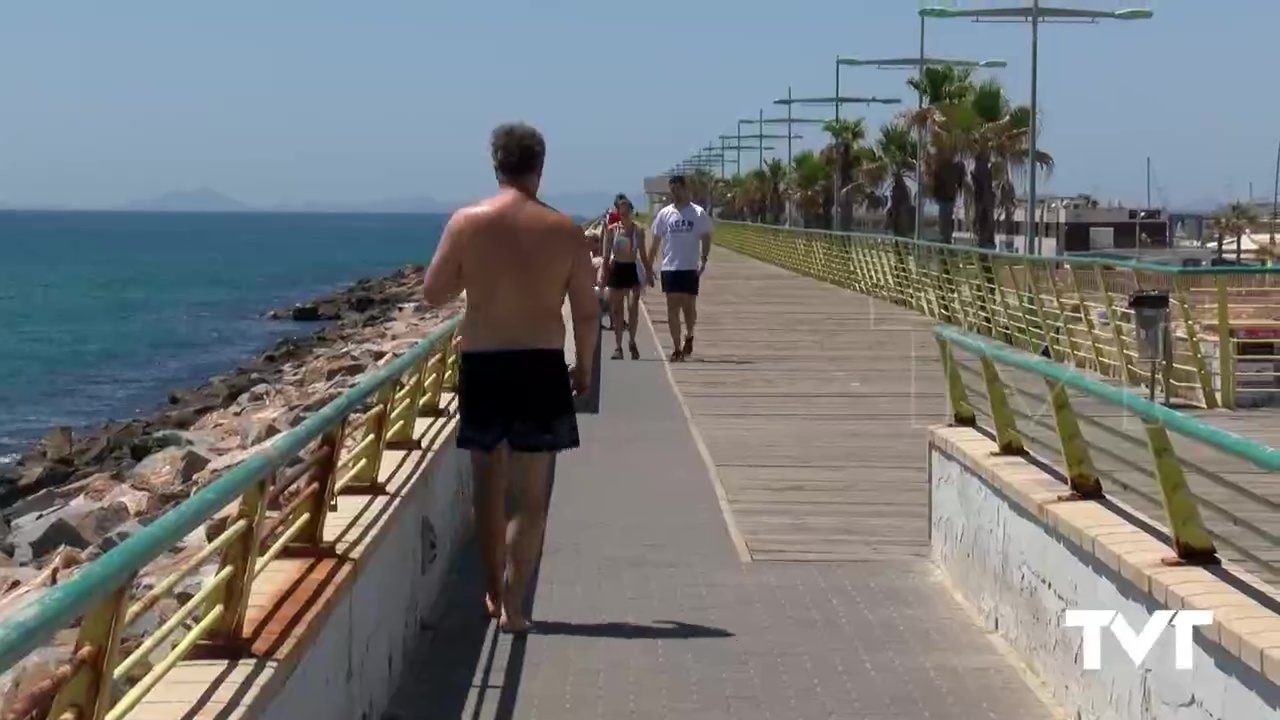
(684, 231)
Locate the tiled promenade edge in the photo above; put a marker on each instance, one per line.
(645, 609)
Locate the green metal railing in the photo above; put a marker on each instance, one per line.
(1072, 310)
(1215, 490)
(281, 497)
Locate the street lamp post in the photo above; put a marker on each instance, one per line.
(1035, 14)
(920, 63)
(836, 101)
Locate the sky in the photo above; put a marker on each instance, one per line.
(103, 103)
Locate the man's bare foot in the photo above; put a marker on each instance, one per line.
(514, 624)
(492, 606)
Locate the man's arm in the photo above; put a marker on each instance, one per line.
(705, 237)
(655, 233)
(443, 279)
(643, 250)
(584, 306)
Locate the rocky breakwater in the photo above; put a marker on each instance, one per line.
(76, 495)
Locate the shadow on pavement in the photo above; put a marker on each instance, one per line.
(661, 630)
(461, 669)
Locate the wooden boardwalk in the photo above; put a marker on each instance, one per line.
(813, 403)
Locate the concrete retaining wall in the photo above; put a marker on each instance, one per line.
(327, 636)
(353, 665)
(1021, 557)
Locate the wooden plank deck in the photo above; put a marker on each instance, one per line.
(813, 403)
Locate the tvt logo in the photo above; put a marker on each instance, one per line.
(1136, 645)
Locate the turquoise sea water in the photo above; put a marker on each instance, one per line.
(102, 313)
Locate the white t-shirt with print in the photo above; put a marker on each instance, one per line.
(681, 230)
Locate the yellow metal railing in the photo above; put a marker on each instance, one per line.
(1214, 490)
(278, 501)
(1072, 310)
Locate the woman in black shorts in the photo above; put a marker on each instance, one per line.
(624, 256)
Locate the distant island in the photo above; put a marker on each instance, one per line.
(208, 200)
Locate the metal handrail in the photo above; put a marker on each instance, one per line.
(1190, 537)
(1224, 319)
(345, 457)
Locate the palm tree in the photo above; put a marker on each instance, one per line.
(1235, 220)
(776, 178)
(701, 182)
(998, 137)
(757, 195)
(895, 162)
(943, 88)
(809, 186)
(844, 155)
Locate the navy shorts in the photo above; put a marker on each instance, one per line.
(522, 397)
(683, 282)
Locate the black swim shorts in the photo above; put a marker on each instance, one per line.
(683, 282)
(623, 276)
(523, 397)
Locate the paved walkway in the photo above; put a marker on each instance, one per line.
(647, 610)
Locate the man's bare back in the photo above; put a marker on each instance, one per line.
(516, 258)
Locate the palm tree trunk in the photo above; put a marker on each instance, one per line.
(947, 220)
(984, 216)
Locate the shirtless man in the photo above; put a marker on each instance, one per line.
(516, 258)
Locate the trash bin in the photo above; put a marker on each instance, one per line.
(1151, 329)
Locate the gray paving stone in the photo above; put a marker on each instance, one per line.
(645, 611)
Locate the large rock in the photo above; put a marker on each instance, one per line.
(331, 369)
(57, 443)
(80, 524)
(32, 671)
(43, 476)
(168, 469)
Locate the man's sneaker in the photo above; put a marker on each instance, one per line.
(688, 346)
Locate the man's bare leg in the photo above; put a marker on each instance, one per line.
(489, 492)
(690, 309)
(674, 301)
(529, 474)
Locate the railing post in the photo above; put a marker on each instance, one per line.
(1082, 477)
(434, 370)
(1126, 372)
(1191, 540)
(1061, 314)
(450, 383)
(961, 411)
(1226, 346)
(377, 428)
(1087, 318)
(406, 404)
(241, 554)
(87, 693)
(323, 476)
(1197, 355)
(1008, 439)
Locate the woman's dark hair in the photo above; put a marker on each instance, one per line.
(518, 150)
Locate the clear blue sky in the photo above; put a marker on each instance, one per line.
(293, 100)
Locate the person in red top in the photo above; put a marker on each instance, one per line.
(613, 217)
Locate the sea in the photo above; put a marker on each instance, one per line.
(101, 314)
